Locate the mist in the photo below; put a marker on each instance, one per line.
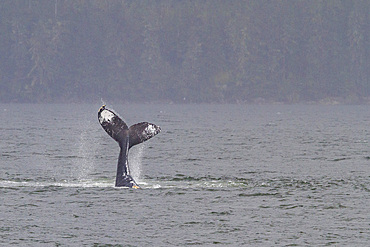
(185, 51)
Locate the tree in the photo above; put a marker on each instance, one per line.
(358, 84)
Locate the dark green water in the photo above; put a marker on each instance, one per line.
(229, 175)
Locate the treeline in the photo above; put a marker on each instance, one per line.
(184, 51)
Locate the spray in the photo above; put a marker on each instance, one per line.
(136, 156)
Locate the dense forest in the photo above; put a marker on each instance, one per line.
(185, 51)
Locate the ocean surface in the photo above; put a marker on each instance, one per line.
(225, 175)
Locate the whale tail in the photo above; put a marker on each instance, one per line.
(142, 132)
(126, 138)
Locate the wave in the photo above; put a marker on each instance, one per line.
(76, 184)
(180, 181)
(148, 183)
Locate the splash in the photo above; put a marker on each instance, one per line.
(136, 156)
(86, 153)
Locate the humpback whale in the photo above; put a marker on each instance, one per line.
(126, 138)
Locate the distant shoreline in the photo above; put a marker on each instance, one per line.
(256, 101)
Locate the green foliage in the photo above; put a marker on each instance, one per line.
(184, 51)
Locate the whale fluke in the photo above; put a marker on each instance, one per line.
(126, 138)
(142, 132)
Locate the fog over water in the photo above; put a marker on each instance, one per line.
(185, 51)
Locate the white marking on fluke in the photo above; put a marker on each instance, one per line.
(150, 131)
(106, 116)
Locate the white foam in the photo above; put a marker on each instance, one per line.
(83, 184)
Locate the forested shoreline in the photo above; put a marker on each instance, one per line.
(185, 51)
